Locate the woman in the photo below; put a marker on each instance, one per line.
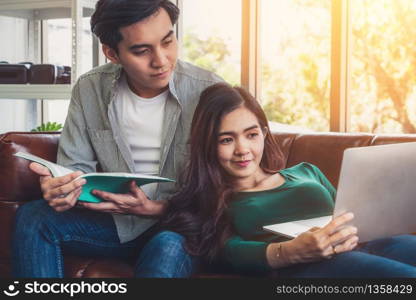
(235, 184)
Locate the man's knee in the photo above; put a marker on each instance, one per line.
(30, 210)
(30, 215)
(168, 237)
(165, 256)
(168, 242)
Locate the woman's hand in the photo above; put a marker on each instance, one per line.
(315, 244)
(319, 243)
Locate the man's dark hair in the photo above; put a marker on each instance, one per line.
(110, 15)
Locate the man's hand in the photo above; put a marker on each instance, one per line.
(133, 203)
(61, 193)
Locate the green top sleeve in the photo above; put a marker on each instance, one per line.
(246, 256)
(324, 181)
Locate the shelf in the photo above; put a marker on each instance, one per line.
(36, 11)
(35, 91)
(43, 9)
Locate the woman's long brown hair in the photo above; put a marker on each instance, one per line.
(198, 209)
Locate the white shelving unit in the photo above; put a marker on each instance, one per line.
(35, 91)
(35, 11)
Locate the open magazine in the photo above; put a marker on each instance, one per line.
(109, 182)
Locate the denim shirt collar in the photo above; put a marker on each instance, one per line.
(115, 82)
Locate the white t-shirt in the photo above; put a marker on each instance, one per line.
(141, 121)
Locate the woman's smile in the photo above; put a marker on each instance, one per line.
(242, 163)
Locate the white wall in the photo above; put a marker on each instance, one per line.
(16, 115)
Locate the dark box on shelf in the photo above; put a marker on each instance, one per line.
(14, 74)
(44, 74)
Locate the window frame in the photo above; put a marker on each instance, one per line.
(340, 56)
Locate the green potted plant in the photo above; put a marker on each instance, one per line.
(50, 126)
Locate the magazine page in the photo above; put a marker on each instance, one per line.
(55, 169)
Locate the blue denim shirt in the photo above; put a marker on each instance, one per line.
(92, 138)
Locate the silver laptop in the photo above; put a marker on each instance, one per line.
(378, 185)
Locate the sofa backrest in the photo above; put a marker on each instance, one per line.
(325, 150)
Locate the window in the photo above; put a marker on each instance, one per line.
(341, 65)
(212, 36)
(296, 62)
(383, 66)
(58, 52)
(15, 115)
(296, 58)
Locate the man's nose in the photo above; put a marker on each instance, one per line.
(159, 59)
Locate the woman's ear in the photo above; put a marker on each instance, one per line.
(265, 131)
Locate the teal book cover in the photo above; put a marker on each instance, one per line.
(116, 183)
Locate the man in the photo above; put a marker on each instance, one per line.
(132, 115)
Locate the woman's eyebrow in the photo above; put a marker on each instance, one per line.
(233, 132)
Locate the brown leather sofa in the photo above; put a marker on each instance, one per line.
(19, 185)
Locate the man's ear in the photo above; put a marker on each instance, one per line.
(111, 54)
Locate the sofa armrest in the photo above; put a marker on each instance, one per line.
(17, 182)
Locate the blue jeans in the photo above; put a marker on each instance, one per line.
(42, 235)
(383, 258)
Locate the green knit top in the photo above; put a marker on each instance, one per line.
(306, 193)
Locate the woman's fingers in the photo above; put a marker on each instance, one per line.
(342, 235)
(347, 245)
(316, 244)
(337, 222)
